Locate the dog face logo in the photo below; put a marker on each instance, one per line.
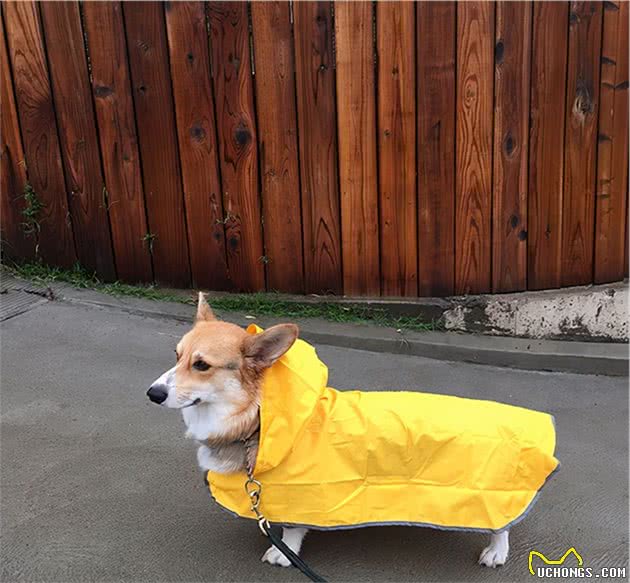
(559, 561)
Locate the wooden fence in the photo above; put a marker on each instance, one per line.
(363, 148)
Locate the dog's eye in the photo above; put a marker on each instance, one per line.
(201, 365)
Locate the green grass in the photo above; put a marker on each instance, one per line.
(31, 211)
(256, 304)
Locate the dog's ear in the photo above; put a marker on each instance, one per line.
(204, 311)
(263, 349)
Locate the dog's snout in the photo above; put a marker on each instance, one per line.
(157, 393)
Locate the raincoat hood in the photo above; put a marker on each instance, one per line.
(332, 459)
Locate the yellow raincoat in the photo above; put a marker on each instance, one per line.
(341, 459)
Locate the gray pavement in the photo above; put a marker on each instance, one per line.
(98, 484)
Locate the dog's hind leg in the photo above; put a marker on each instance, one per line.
(496, 553)
(292, 537)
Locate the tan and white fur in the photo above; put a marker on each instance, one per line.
(216, 382)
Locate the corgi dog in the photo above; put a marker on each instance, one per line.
(216, 383)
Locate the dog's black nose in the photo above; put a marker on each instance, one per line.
(157, 393)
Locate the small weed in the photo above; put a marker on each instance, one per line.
(148, 240)
(31, 211)
(256, 304)
(106, 203)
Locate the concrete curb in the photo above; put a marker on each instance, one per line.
(596, 313)
(599, 358)
(540, 355)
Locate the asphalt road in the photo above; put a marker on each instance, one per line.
(98, 484)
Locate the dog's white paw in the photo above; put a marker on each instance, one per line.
(494, 555)
(274, 557)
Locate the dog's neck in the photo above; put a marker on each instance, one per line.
(220, 424)
(229, 443)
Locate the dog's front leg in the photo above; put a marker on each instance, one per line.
(496, 553)
(292, 537)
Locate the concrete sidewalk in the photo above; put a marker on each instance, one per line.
(99, 484)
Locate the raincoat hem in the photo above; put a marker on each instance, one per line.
(508, 526)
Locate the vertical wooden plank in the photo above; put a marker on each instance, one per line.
(79, 144)
(356, 123)
(238, 157)
(148, 58)
(55, 242)
(475, 34)
(546, 143)
(511, 141)
(111, 89)
(578, 210)
(277, 139)
(436, 24)
(15, 242)
(395, 38)
(626, 267)
(612, 152)
(315, 79)
(196, 130)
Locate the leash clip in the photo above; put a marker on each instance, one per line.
(254, 488)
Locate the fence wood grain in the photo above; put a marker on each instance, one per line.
(358, 148)
(612, 159)
(153, 99)
(395, 38)
(55, 243)
(475, 26)
(15, 243)
(356, 121)
(237, 143)
(111, 88)
(546, 143)
(512, 56)
(278, 146)
(315, 86)
(582, 104)
(436, 54)
(78, 137)
(196, 130)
